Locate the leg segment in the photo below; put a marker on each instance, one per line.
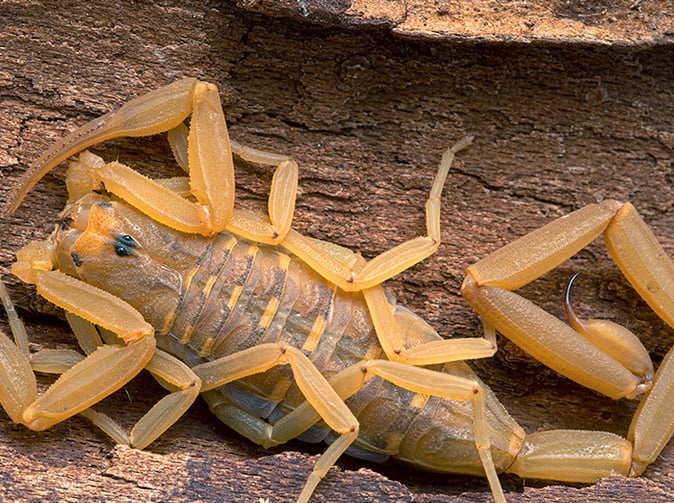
(642, 260)
(86, 380)
(313, 385)
(85, 383)
(391, 262)
(281, 197)
(653, 423)
(421, 380)
(104, 371)
(170, 372)
(391, 327)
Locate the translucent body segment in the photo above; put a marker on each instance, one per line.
(573, 456)
(540, 251)
(549, 340)
(179, 184)
(149, 114)
(328, 266)
(653, 423)
(396, 260)
(642, 260)
(272, 230)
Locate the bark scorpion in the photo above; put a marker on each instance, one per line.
(288, 336)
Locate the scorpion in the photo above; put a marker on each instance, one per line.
(287, 336)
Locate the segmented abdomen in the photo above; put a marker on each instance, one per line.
(242, 294)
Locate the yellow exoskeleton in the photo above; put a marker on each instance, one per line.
(287, 336)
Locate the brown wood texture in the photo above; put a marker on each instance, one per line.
(366, 109)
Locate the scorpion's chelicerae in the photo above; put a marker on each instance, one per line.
(287, 336)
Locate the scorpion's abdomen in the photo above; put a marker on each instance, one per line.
(241, 294)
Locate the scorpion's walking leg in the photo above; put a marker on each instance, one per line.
(392, 261)
(171, 373)
(351, 272)
(348, 382)
(429, 382)
(643, 262)
(313, 386)
(184, 386)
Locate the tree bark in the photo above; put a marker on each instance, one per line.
(365, 96)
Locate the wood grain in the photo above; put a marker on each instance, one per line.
(366, 110)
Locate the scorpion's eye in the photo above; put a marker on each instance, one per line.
(123, 245)
(126, 240)
(122, 251)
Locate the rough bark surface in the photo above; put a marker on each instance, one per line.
(571, 21)
(367, 113)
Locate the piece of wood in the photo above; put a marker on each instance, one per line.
(571, 21)
(367, 115)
